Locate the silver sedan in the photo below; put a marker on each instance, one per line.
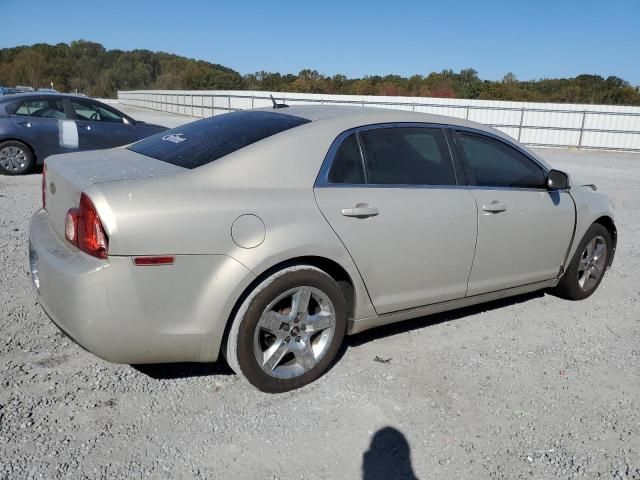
(268, 235)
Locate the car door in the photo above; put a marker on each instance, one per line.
(391, 194)
(40, 122)
(100, 127)
(524, 229)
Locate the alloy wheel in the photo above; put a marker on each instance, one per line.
(592, 263)
(294, 332)
(13, 158)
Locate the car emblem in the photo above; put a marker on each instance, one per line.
(52, 188)
(174, 137)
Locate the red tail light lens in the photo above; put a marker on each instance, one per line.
(83, 228)
(44, 186)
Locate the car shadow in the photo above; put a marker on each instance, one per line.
(170, 371)
(167, 371)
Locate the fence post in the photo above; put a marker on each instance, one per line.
(467, 114)
(584, 116)
(229, 102)
(252, 100)
(520, 127)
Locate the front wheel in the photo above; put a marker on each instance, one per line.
(288, 330)
(588, 265)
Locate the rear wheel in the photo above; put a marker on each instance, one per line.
(588, 265)
(288, 330)
(15, 158)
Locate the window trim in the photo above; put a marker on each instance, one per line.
(471, 181)
(322, 180)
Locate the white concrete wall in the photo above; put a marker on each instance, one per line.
(542, 124)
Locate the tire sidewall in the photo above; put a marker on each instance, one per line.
(570, 280)
(240, 345)
(28, 152)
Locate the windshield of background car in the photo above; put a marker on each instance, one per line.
(206, 140)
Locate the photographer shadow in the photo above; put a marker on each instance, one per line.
(388, 457)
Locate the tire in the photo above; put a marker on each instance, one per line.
(277, 350)
(587, 267)
(15, 158)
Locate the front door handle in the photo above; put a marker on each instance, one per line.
(494, 207)
(26, 124)
(361, 210)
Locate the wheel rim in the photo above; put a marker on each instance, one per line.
(13, 158)
(592, 263)
(294, 332)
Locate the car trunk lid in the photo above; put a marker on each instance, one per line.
(68, 175)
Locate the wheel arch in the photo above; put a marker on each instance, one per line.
(330, 267)
(607, 222)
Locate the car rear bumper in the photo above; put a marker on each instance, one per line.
(134, 314)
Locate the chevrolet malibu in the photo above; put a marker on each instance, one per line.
(266, 236)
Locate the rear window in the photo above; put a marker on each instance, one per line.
(204, 141)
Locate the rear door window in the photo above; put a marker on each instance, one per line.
(407, 156)
(201, 142)
(39, 108)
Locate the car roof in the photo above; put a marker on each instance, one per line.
(354, 116)
(25, 95)
(360, 115)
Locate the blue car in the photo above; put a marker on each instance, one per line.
(36, 125)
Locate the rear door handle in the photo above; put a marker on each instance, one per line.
(361, 210)
(494, 207)
(26, 124)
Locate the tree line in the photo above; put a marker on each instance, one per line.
(89, 68)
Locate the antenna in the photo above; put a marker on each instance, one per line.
(278, 105)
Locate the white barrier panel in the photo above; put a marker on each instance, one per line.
(543, 124)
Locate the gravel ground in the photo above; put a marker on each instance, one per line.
(534, 387)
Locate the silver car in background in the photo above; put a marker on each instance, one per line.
(267, 235)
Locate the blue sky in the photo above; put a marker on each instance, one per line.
(533, 38)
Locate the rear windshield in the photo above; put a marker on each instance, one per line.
(206, 140)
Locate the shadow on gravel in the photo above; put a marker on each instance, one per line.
(388, 457)
(435, 319)
(169, 371)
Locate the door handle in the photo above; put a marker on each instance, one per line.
(26, 124)
(494, 207)
(88, 127)
(361, 210)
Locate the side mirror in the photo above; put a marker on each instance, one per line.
(557, 180)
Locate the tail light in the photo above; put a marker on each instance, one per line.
(83, 228)
(44, 186)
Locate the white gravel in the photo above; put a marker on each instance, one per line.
(535, 387)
